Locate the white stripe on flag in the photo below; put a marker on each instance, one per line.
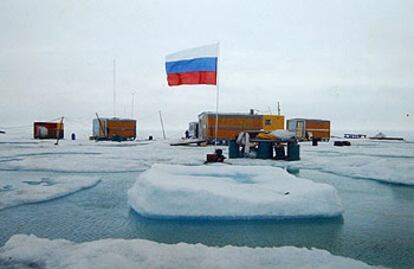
(199, 52)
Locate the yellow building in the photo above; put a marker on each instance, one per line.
(273, 122)
(231, 124)
(107, 128)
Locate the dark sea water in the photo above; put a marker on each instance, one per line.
(377, 226)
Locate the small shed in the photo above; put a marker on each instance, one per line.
(114, 129)
(48, 130)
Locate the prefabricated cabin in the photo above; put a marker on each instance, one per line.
(48, 130)
(107, 128)
(231, 124)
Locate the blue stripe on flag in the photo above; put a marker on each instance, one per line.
(192, 65)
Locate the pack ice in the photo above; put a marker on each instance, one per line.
(23, 251)
(231, 192)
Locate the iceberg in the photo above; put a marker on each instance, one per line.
(29, 251)
(230, 192)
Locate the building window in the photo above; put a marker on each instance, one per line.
(268, 122)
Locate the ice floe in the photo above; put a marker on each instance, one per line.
(231, 192)
(29, 251)
(17, 191)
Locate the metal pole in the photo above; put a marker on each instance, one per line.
(162, 126)
(270, 111)
(114, 85)
(217, 94)
(133, 102)
(58, 131)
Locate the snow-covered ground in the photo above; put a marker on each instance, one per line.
(95, 157)
(391, 162)
(386, 161)
(32, 252)
(229, 191)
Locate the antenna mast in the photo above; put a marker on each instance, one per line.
(162, 126)
(278, 108)
(114, 86)
(133, 103)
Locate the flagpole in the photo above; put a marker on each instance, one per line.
(217, 93)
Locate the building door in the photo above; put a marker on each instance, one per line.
(300, 129)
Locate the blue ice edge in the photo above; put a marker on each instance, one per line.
(235, 218)
(338, 219)
(55, 197)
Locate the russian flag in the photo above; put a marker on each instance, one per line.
(193, 66)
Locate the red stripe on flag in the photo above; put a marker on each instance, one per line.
(190, 78)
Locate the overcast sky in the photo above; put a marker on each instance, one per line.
(348, 61)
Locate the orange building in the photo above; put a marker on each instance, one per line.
(48, 130)
(231, 124)
(307, 129)
(109, 128)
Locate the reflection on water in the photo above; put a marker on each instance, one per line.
(263, 233)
